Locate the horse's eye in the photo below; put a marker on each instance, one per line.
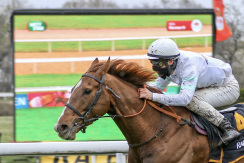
(87, 91)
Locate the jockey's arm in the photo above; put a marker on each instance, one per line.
(187, 90)
(160, 83)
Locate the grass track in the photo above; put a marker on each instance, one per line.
(6, 131)
(103, 129)
(45, 80)
(98, 21)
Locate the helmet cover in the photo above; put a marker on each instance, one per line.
(163, 48)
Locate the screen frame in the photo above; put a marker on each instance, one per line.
(100, 12)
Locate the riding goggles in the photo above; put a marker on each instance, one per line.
(158, 63)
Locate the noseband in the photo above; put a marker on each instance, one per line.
(83, 126)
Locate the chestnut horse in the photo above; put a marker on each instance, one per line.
(153, 137)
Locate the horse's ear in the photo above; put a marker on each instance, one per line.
(103, 69)
(93, 63)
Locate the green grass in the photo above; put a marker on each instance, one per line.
(45, 80)
(193, 42)
(37, 125)
(28, 47)
(6, 131)
(104, 21)
(42, 127)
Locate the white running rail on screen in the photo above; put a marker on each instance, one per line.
(79, 59)
(113, 40)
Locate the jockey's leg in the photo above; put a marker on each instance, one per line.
(204, 101)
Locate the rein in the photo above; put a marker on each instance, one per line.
(83, 126)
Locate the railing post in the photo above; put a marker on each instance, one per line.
(80, 46)
(206, 42)
(49, 47)
(120, 158)
(143, 62)
(93, 159)
(143, 44)
(113, 46)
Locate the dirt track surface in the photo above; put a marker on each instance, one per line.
(78, 67)
(81, 67)
(104, 33)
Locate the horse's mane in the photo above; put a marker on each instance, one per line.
(128, 71)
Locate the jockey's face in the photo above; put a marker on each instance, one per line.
(160, 67)
(161, 64)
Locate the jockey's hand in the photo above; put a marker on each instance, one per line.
(145, 93)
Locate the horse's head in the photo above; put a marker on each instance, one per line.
(86, 103)
(92, 96)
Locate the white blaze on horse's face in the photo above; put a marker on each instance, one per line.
(77, 85)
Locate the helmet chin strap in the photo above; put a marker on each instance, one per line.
(168, 67)
(168, 70)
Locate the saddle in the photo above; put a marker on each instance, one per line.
(200, 127)
(235, 149)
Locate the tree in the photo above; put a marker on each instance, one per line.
(166, 4)
(232, 49)
(5, 43)
(5, 54)
(183, 4)
(228, 49)
(90, 4)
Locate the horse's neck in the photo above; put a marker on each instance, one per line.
(147, 124)
(142, 127)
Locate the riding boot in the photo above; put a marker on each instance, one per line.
(230, 133)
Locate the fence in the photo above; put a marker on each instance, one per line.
(6, 95)
(67, 148)
(78, 59)
(113, 40)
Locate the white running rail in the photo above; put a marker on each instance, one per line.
(113, 40)
(66, 148)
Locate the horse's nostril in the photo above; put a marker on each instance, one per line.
(63, 128)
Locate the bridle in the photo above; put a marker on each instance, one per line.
(83, 126)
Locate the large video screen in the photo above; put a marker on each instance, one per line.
(53, 48)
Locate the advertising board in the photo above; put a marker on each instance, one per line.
(53, 48)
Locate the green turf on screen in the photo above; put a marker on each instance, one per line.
(46, 80)
(37, 124)
(98, 21)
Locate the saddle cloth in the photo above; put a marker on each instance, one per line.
(234, 151)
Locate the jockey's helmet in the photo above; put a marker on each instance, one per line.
(159, 52)
(163, 48)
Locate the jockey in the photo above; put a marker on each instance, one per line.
(204, 83)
